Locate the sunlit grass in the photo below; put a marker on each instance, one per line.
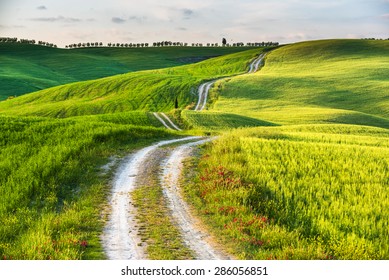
(51, 190)
(298, 192)
(153, 90)
(28, 68)
(341, 81)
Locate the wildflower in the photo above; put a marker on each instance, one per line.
(84, 243)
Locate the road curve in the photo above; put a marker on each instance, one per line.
(120, 237)
(195, 238)
(204, 88)
(254, 66)
(203, 92)
(170, 122)
(166, 121)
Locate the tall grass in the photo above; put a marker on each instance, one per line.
(51, 194)
(290, 194)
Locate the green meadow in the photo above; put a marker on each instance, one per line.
(312, 182)
(53, 190)
(335, 81)
(297, 192)
(299, 171)
(152, 90)
(27, 68)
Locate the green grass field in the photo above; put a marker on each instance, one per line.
(297, 192)
(28, 68)
(335, 81)
(52, 190)
(153, 90)
(315, 185)
(300, 170)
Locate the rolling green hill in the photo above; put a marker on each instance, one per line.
(334, 81)
(27, 68)
(152, 90)
(299, 171)
(316, 185)
(297, 191)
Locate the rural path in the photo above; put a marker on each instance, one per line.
(254, 66)
(166, 121)
(121, 239)
(194, 237)
(204, 88)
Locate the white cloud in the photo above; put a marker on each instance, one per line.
(56, 19)
(194, 20)
(118, 20)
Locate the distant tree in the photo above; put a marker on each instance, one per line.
(224, 41)
(176, 103)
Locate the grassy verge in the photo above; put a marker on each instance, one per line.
(51, 194)
(314, 192)
(157, 230)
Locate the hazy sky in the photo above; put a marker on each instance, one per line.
(72, 21)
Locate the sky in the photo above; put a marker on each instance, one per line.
(192, 21)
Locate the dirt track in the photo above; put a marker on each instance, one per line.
(121, 239)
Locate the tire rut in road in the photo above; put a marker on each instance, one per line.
(196, 238)
(120, 238)
(203, 90)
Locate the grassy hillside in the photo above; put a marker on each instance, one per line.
(311, 187)
(153, 90)
(216, 121)
(297, 192)
(52, 191)
(335, 81)
(300, 171)
(28, 68)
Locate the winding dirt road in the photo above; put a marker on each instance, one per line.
(166, 121)
(196, 239)
(204, 88)
(121, 239)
